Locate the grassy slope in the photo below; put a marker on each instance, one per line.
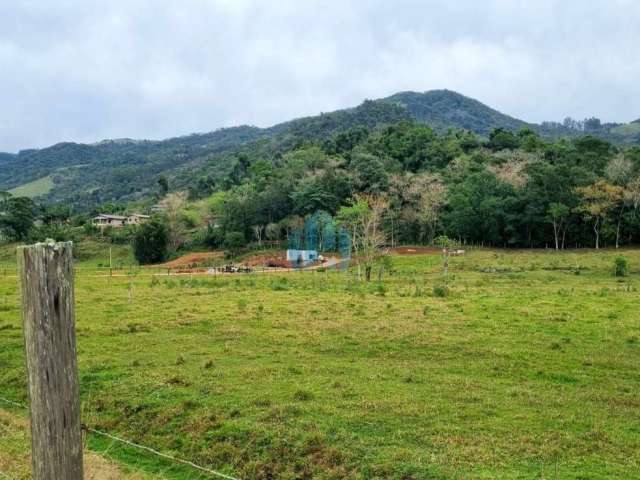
(525, 370)
(37, 188)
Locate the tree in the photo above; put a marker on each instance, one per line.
(311, 194)
(598, 201)
(233, 242)
(174, 204)
(258, 230)
(364, 219)
(213, 236)
(432, 200)
(619, 170)
(150, 242)
(17, 216)
(273, 231)
(558, 214)
(57, 214)
(370, 174)
(500, 139)
(349, 217)
(481, 208)
(446, 244)
(163, 183)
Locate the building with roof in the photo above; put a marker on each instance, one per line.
(104, 220)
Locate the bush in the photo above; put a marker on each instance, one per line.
(233, 242)
(440, 291)
(151, 242)
(213, 237)
(620, 267)
(121, 236)
(59, 233)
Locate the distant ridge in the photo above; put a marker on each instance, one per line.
(127, 169)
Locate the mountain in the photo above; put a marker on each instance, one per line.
(127, 169)
(443, 109)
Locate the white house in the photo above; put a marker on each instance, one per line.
(106, 220)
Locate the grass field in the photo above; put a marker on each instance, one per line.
(527, 369)
(37, 188)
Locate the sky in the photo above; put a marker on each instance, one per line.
(83, 70)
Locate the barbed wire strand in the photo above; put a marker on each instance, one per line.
(13, 403)
(135, 445)
(160, 454)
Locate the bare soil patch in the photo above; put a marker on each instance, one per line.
(271, 259)
(192, 260)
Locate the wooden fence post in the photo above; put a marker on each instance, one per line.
(46, 271)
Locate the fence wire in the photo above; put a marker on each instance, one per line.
(116, 439)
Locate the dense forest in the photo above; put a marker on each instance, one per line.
(512, 189)
(126, 170)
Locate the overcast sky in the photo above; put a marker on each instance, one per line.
(88, 70)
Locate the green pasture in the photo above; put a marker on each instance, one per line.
(525, 368)
(37, 188)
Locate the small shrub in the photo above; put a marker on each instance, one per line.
(180, 360)
(302, 396)
(620, 266)
(136, 328)
(190, 404)
(440, 291)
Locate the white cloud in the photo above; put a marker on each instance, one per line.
(87, 70)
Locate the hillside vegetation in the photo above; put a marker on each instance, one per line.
(443, 109)
(509, 190)
(126, 170)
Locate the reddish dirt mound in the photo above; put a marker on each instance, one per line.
(269, 260)
(416, 251)
(192, 260)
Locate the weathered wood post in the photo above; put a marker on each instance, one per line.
(46, 272)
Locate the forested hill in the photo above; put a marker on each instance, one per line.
(442, 109)
(127, 170)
